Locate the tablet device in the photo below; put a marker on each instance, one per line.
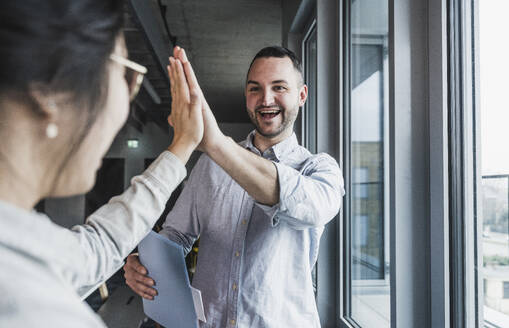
(165, 263)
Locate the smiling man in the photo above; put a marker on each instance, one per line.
(259, 208)
(274, 112)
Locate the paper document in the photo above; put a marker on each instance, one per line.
(176, 304)
(198, 304)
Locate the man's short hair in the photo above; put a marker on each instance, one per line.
(279, 52)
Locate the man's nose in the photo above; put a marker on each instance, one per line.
(268, 98)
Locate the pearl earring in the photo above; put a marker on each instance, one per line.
(52, 131)
(52, 128)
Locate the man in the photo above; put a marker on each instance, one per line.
(259, 208)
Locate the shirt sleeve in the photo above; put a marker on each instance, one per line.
(115, 229)
(182, 225)
(309, 199)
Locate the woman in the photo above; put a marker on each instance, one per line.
(65, 86)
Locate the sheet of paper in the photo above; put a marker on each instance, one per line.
(165, 263)
(198, 304)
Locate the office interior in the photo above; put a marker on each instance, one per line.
(408, 96)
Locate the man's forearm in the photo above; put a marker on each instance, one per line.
(255, 174)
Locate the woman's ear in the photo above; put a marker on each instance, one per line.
(46, 101)
(47, 106)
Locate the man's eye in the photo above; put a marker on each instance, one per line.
(253, 89)
(279, 88)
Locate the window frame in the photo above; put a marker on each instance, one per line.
(439, 165)
(345, 274)
(464, 157)
(306, 129)
(382, 43)
(328, 135)
(418, 164)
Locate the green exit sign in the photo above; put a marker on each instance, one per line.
(132, 143)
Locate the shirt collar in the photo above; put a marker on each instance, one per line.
(277, 151)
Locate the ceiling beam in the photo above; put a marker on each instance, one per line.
(148, 16)
(151, 91)
(145, 104)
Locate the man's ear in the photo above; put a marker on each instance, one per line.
(303, 95)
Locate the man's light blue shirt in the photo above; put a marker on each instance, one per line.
(255, 261)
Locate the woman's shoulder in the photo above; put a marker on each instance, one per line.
(32, 294)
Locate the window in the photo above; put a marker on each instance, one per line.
(493, 239)
(479, 163)
(362, 232)
(463, 167)
(308, 129)
(367, 220)
(361, 186)
(506, 290)
(310, 69)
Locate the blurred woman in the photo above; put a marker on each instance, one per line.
(65, 87)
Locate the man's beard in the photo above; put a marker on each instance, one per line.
(286, 121)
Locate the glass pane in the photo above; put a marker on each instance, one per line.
(369, 220)
(309, 110)
(310, 69)
(494, 112)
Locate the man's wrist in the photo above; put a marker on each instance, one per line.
(219, 145)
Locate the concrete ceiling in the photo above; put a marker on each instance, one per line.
(141, 51)
(221, 37)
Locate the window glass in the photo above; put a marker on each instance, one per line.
(494, 134)
(309, 62)
(361, 187)
(369, 221)
(506, 290)
(309, 110)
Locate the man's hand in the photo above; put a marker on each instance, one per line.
(255, 174)
(136, 278)
(186, 112)
(212, 136)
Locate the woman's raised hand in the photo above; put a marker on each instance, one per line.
(186, 111)
(212, 135)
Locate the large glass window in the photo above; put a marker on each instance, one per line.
(309, 50)
(479, 155)
(308, 128)
(494, 134)
(368, 302)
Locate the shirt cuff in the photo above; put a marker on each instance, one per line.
(271, 212)
(167, 172)
(287, 183)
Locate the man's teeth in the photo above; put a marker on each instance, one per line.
(269, 112)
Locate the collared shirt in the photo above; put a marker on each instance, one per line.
(255, 261)
(44, 267)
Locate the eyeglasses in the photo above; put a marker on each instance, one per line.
(133, 74)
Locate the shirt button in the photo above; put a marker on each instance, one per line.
(237, 254)
(234, 286)
(244, 221)
(232, 322)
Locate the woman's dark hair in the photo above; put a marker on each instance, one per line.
(62, 46)
(279, 52)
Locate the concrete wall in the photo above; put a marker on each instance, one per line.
(291, 27)
(221, 38)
